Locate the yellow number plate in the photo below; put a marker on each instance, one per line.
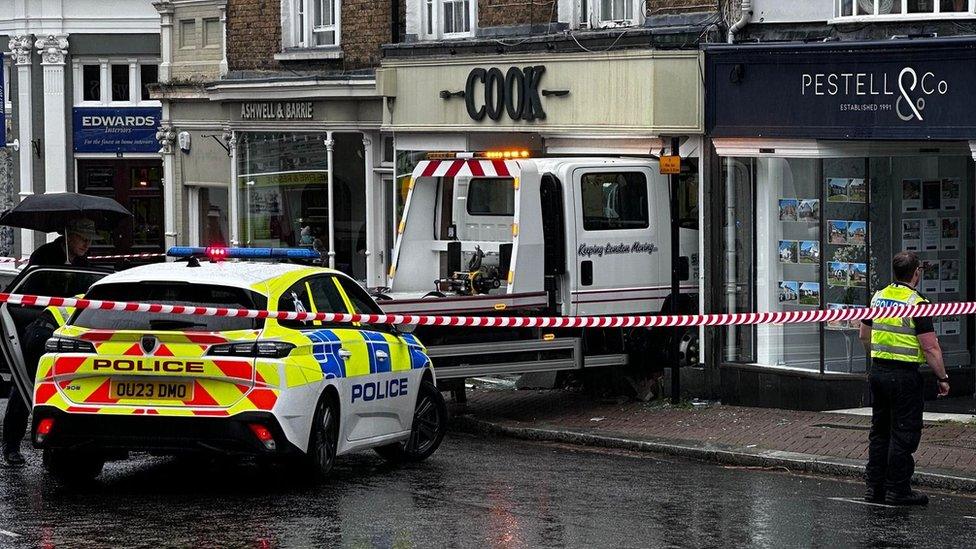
(151, 390)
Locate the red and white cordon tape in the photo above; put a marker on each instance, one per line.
(16, 260)
(782, 317)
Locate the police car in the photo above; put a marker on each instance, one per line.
(114, 382)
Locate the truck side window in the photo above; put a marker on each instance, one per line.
(614, 201)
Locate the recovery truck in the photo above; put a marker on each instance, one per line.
(512, 235)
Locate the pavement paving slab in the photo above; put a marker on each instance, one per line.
(815, 442)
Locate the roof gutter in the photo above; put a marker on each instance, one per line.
(744, 20)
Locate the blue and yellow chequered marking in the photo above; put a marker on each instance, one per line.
(376, 343)
(418, 356)
(325, 349)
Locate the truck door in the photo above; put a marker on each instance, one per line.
(622, 255)
(61, 281)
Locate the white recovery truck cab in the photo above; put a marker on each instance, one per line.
(539, 236)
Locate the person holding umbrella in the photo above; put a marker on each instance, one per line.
(70, 248)
(74, 216)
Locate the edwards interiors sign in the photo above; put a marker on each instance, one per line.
(107, 130)
(917, 90)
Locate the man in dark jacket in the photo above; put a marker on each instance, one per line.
(69, 249)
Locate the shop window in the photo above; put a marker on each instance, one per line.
(905, 9)
(491, 197)
(283, 186)
(807, 234)
(188, 34)
(91, 84)
(314, 23)
(613, 201)
(449, 18)
(212, 33)
(120, 83)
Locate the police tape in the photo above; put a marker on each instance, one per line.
(633, 321)
(16, 260)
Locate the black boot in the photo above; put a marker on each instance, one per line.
(874, 494)
(910, 497)
(13, 458)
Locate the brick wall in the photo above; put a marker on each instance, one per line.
(253, 34)
(506, 13)
(365, 26)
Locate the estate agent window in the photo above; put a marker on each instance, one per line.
(819, 233)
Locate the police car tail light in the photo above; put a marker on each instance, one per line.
(263, 434)
(68, 345)
(44, 428)
(261, 349)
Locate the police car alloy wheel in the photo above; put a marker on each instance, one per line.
(427, 430)
(324, 439)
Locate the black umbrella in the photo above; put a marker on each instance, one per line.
(51, 212)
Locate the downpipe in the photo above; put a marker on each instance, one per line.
(744, 20)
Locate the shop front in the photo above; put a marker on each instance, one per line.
(829, 159)
(116, 156)
(302, 168)
(620, 103)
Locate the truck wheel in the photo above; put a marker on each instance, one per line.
(324, 438)
(72, 467)
(427, 430)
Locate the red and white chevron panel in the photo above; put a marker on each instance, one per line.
(781, 317)
(466, 167)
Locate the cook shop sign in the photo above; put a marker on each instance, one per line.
(110, 130)
(919, 90)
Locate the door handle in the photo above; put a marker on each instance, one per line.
(381, 355)
(344, 354)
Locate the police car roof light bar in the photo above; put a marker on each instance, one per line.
(217, 253)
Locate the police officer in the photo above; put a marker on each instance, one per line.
(69, 249)
(898, 347)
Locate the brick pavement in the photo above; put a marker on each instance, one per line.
(946, 447)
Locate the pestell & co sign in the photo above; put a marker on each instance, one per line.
(917, 89)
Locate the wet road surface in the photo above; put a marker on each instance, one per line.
(473, 492)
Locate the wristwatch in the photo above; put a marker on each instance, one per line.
(943, 379)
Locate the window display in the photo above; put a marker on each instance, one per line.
(850, 215)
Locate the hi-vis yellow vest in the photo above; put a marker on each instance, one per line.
(895, 338)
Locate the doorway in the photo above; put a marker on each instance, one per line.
(137, 184)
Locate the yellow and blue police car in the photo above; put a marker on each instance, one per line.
(115, 382)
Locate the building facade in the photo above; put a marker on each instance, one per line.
(77, 86)
(863, 146)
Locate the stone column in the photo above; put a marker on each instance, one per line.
(166, 10)
(53, 48)
(167, 138)
(223, 41)
(21, 48)
(234, 211)
(373, 225)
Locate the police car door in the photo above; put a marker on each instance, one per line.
(618, 251)
(56, 281)
(382, 399)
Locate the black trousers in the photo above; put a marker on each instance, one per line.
(896, 425)
(15, 419)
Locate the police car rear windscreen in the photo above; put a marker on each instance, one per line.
(170, 293)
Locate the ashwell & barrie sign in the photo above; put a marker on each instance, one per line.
(913, 90)
(277, 110)
(116, 130)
